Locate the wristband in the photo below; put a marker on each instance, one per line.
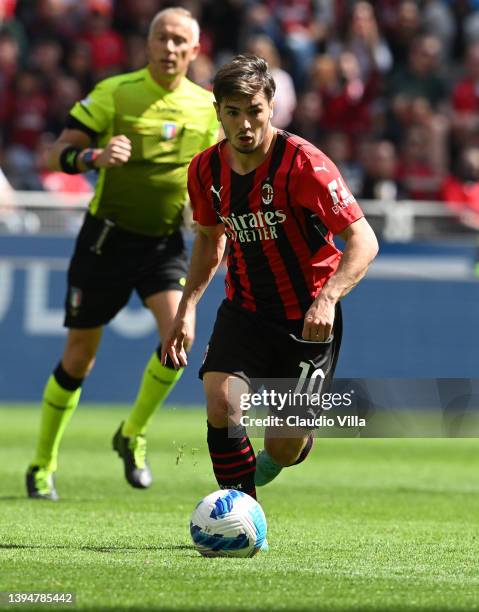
(68, 160)
(88, 157)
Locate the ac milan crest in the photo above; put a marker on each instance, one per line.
(267, 193)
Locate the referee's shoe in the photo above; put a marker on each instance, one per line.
(133, 452)
(40, 483)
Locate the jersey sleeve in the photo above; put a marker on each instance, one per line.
(96, 111)
(321, 189)
(203, 211)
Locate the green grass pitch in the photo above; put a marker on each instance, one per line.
(373, 525)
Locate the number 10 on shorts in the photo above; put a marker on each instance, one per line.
(317, 375)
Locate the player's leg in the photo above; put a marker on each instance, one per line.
(158, 379)
(285, 447)
(159, 283)
(97, 291)
(157, 382)
(60, 398)
(280, 452)
(237, 353)
(231, 452)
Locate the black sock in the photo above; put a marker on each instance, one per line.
(233, 458)
(305, 452)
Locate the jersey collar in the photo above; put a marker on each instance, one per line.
(152, 84)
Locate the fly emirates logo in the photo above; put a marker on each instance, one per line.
(253, 226)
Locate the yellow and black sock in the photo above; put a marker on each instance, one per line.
(60, 398)
(158, 380)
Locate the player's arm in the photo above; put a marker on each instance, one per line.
(72, 152)
(360, 249)
(208, 250)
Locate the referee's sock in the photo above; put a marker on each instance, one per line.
(157, 382)
(60, 398)
(233, 459)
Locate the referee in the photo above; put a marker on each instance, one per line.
(139, 131)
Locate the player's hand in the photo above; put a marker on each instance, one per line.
(178, 340)
(116, 153)
(318, 321)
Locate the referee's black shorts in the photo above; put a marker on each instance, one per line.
(109, 263)
(252, 347)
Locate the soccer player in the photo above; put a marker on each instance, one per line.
(140, 131)
(277, 201)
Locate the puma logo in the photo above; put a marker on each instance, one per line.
(319, 168)
(217, 192)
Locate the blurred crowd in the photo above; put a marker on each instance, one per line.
(389, 89)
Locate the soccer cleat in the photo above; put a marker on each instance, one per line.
(40, 483)
(133, 452)
(266, 469)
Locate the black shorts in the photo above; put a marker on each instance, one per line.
(254, 348)
(109, 263)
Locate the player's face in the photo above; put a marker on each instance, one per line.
(246, 121)
(171, 47)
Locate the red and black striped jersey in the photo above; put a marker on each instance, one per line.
(279, 221)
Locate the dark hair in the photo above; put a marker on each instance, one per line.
(245, 75)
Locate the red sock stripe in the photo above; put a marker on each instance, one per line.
(242, 451)
(241, 456)
(234, 463)
(235, 474)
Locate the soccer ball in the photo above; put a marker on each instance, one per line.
(228, 523)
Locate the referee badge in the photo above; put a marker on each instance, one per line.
(267, 192)
(169, 131)
(76, 297)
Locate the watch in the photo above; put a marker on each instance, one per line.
(88, 158)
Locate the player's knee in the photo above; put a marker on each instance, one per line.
(283, 452)
(219, 411)
(78, 367)
(78, 360)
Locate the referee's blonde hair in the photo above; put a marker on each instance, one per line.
(179, 10)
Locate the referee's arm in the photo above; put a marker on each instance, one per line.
(73, 153)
